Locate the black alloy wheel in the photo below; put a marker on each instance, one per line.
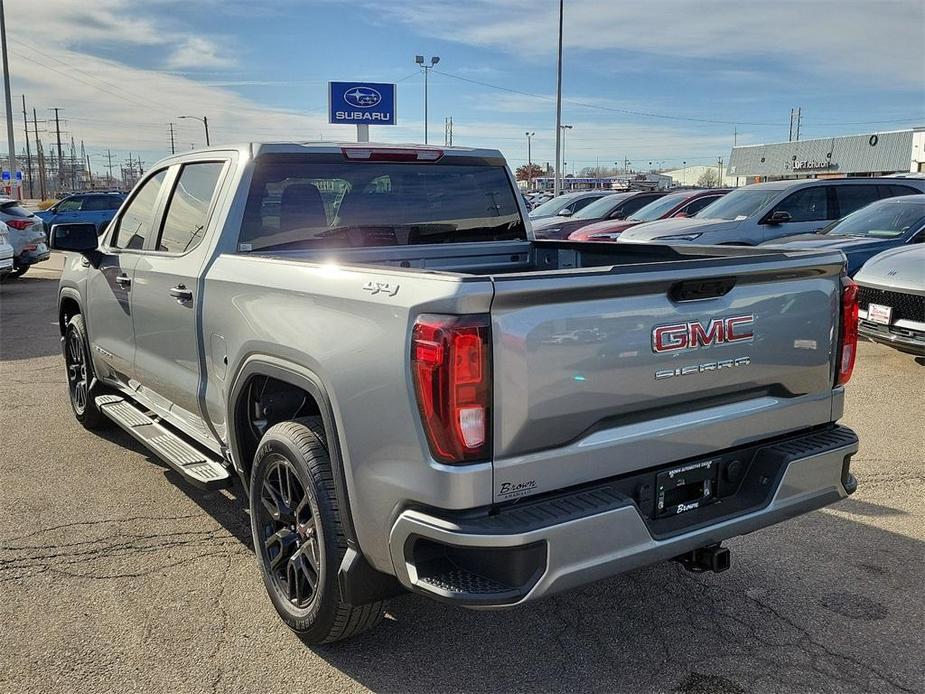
(288, 519)
(78, 379)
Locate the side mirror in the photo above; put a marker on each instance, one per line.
(80, 238)
(565, 213)
(779, 217)
(619, 214)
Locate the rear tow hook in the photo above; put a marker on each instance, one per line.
(711, 558)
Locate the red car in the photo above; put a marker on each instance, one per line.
(685, 203)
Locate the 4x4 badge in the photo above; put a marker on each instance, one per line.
(381, 288)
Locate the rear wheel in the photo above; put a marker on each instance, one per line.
(80, 375)
(19, 271)
(298, 536)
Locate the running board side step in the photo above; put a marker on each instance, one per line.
(193, 465)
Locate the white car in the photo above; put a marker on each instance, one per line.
(6, 251)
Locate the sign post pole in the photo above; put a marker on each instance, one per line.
(362, 133)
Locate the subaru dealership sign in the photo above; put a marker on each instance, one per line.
(361, 103)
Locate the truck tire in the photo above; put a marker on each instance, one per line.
(298, 536)
(80, 376)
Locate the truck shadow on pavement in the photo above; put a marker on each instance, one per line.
(798, 611)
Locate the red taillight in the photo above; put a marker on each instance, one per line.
(451, 365)
(392, 154)
(21, 224)
(848, 343)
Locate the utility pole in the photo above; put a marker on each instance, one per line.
(799, 119)
(25, 122)
(109, 157)
(529, 160)
(60, 155)
(89, 172)
(557, 184)
(451, 131)
(9, 103)
(719, 171)
(40, 154)
(173, 149)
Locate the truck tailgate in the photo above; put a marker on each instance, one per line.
(600, 373)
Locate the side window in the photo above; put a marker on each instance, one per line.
(696, 205)
(807, 205)
(136, 222)
(852, 198)
(578, 204)
(95, 203)
(894, 191)
(188, 207)
(636, 203)
(114, 202)
(68, 205)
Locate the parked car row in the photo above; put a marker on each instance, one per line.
(879, 224)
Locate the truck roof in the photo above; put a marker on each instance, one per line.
(329, 147)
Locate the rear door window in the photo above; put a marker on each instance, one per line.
(188, 207)
(137, 221)
(806, 205)
(853, 197)
(637, 203)
(893, 191)
(95, 203)
(696, 205)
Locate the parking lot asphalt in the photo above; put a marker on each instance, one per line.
(117, 576)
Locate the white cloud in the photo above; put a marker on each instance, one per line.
(878, 41)
(199, 52)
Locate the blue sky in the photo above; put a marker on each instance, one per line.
(122, 70)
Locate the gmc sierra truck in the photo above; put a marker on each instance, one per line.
(417, 395)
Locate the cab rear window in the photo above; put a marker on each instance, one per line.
(298, 201)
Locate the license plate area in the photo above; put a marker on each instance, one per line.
(876, 313)
(685, 488)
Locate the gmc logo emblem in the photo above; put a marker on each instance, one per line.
(669, 338)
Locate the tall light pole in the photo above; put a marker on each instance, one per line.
(529, 160)
(419, 59)
(9, 104)
(205, 124)
(557, 185)
(562, 129)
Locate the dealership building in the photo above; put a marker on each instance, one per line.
(873, 154)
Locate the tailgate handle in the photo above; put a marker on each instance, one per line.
(694, 290)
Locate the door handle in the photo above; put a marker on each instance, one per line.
(123, 280)
(181, 293)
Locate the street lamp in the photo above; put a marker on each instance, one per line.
(205, 123)
(419, 59)
(529, 161)
(563, 128)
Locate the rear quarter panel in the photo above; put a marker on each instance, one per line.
(319, 317)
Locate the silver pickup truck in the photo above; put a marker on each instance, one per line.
(417, 395)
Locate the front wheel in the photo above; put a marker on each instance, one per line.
(298, 536)
(80, 375)
(19, 271)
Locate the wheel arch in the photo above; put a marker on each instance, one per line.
(68, 306)
(265, 366)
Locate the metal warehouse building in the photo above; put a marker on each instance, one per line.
(831, 157)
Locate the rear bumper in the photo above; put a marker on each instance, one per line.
(39, 255)
(905, 340)
(6, 265)
(527, 551)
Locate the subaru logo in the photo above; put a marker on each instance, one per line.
(363, 97)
